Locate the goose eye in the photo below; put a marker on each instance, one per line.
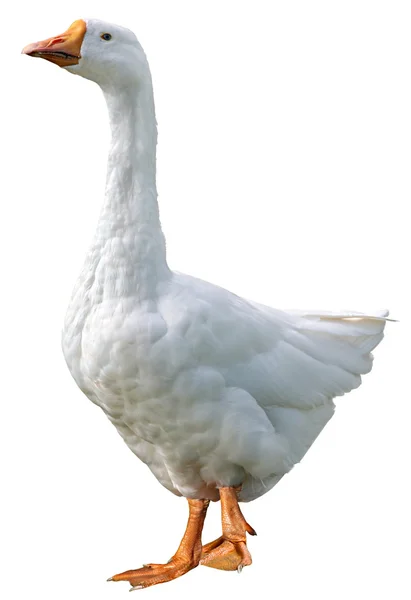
(106, 36)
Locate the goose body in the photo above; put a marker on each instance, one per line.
(209, 390)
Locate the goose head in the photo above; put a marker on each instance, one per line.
(102, 52)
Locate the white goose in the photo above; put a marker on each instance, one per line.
(219, 396)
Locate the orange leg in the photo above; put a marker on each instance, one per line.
(186, 558)
(229, 552)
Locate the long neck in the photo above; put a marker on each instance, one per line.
(129, 254)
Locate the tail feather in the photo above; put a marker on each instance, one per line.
(328, 336)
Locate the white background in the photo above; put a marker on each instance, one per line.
(284, 160)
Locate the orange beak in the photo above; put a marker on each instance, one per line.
(62, 50)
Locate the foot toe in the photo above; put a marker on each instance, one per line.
(152, 574)
(226, 556)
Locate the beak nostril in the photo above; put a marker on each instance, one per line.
(57, 40)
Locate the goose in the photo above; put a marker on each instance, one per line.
(218, 395)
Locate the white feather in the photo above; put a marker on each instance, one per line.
(208, 389)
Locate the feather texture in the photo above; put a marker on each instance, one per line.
(209, 389)
(206, 388)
